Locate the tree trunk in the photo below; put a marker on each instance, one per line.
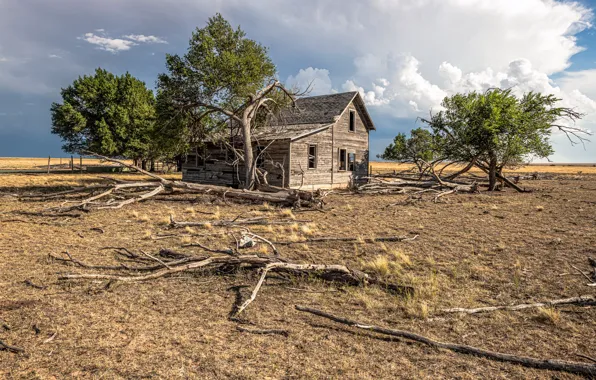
(249, 168)
(492, 173)
(152, 167)
(144, 164)
(179, 162)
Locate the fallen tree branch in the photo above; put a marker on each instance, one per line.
(583, 301)
(9, 348)
(329, 272)
(263, 331)
(550, 364)
(349, 239)
(235, 222)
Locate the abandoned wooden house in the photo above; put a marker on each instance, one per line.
(320, 142)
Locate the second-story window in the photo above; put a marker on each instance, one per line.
(352, 120)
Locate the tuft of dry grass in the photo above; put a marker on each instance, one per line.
(401, 257)
(382, 266)
(287, 212)
(549, 315)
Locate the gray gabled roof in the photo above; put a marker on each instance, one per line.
(322, 109)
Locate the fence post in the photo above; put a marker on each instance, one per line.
(81, 164)
(49, 158)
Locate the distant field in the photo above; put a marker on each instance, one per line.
(585, 168)
(39, 163)
(42, 163)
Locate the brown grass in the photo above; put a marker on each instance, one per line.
(383, 167)
(474, 250)
(42, 162)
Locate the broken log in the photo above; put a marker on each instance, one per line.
(581, 301)
(349, 239)
(549, 364)
(235, 222)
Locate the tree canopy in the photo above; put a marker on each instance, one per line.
(490, 130)
(107, 114)
(419, 148)
(223, 77)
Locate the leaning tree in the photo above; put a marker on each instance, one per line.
(107, 114)
(223, 78)
(495, 129)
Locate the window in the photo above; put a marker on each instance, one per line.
(312, 156)
(352, 120)
(342, 159)
(260, 157)
(351, 161)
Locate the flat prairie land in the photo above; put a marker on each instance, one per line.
(385, 167)
(471, 250)
(42, 163)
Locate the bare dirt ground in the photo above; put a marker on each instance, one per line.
(472, 250)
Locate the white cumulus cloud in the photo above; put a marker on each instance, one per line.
(113, 45)
(145, 39)
(317, 80)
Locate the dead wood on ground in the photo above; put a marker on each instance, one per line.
(549, 364)
(349, 239)
(183, 263)
(235, 222)
(10, 348)
(581, 301)
(263, 331)
(120, 194)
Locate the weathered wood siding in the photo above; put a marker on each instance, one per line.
(321, 175)
(354, 142)
(214, 170)
(217, 168)
(329, 142)
(277, 152)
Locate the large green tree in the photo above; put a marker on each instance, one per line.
(420, 148)
(107, 114)
(496, 129)
(224, 77)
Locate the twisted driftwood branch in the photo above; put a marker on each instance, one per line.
(550, 364)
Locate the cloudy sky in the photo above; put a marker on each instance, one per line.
(404, 56)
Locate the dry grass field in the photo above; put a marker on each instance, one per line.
(42, 163)
(472, 250)
(385, 167)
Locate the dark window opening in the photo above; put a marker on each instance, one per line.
(342, 159)
(197, 158)
(352, 121)
(312, 156)
(351, 161)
